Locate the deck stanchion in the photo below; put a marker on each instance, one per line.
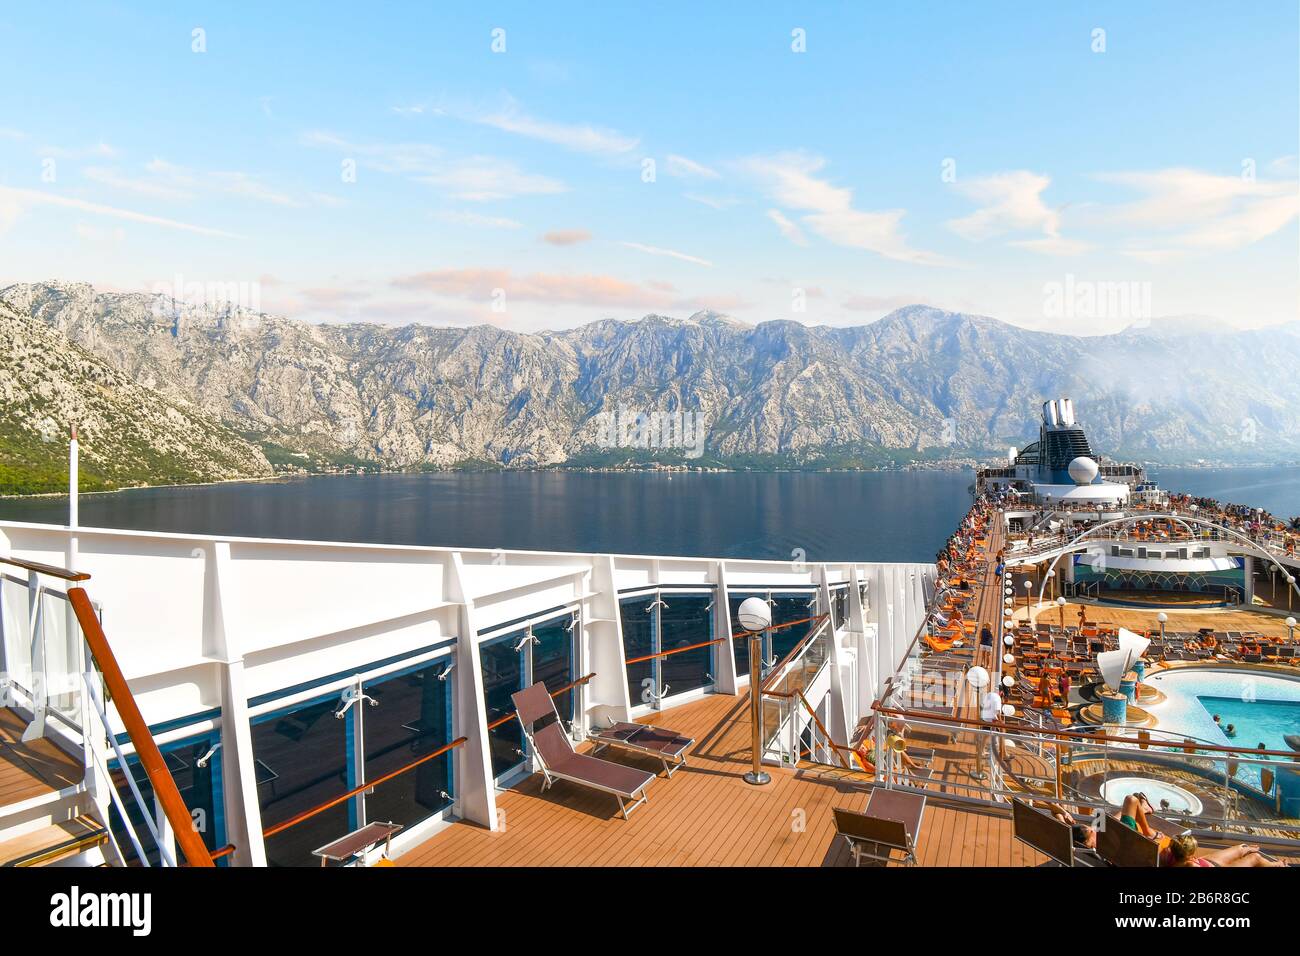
(755, 616)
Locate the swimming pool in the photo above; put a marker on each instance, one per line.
(1262, 708)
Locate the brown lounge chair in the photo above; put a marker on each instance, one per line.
(559, 761)
(891, 822)
(664, 745)
(1043, 832)
(1120, 845)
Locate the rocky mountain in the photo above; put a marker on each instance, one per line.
(919, 382)
(130, 434)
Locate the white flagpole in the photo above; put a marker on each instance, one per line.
(73, 468)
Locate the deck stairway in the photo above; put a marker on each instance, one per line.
(63, 706)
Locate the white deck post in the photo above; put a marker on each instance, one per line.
(475, 788)
(725, 678)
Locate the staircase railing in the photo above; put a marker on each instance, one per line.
(102, 666)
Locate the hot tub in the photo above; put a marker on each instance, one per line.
(1114, 791)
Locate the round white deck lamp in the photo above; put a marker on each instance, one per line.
(1160, 619)
(1290, 626)
(1008, 658)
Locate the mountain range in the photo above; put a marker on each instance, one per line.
(165, 390)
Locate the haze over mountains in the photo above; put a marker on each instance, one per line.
(238, 385)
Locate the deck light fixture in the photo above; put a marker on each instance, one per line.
(755, 616)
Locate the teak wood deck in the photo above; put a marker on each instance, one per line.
(31, 769)
(706, 815)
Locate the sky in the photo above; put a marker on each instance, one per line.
(1068, 167)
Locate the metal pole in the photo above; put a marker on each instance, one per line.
(756, 776)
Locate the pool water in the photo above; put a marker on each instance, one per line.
(1257, 721)
(1158, 792)
(1262, 707)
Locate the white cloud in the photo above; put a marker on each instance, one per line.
(1009, 202)
(788, 229)
(713, 202)
(164, 180)
(580, 137)
(469, 178)
(462, 218)
(1186, 211)
(684, 168)
(670, 253)
(13, 201)
(789, 178)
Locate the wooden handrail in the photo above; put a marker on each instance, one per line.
(555, 693)
(151, 759)
(825, 733)
(50, 569)
(675, 650)
(308, 814)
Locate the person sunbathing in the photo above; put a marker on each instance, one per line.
(1082, 834)
(1183, 851)
(1134, 812)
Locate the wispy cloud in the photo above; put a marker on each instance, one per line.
(713, 202)
(1188, 211)
(1012, 203)
(580, 137)
(461, 217)
(788, 229)
(684, 168)
(163, 180)
(566, 237)
(481, 284)
(13, 201)
(100, 150)
(469, 178)
(670, 253)
(790, 179)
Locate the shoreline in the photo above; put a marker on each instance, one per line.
(649, 469)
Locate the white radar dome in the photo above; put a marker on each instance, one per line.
(1083, 470)
(754, 614)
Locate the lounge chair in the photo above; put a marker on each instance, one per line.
(1120, 845)
(1043, 832)
(891, 822)
(559, 761)
(663, 745)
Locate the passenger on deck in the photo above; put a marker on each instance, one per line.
(1134, 814)
(1183, 851)
(1082, 834)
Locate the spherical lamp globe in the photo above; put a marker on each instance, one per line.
(754, 614)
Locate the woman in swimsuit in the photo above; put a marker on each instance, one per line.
(1183, 851)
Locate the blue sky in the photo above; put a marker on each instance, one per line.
(979, 157)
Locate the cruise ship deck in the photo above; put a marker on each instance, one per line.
(706, 815)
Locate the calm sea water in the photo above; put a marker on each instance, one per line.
(842, 516)
(877, 516)
(1276, 490)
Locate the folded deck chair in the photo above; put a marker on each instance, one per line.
(891, 822)
(559, 761)
(664, 745)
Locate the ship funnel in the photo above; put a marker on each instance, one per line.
(1067, 411)
(1011, 455)
(1049, 414)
